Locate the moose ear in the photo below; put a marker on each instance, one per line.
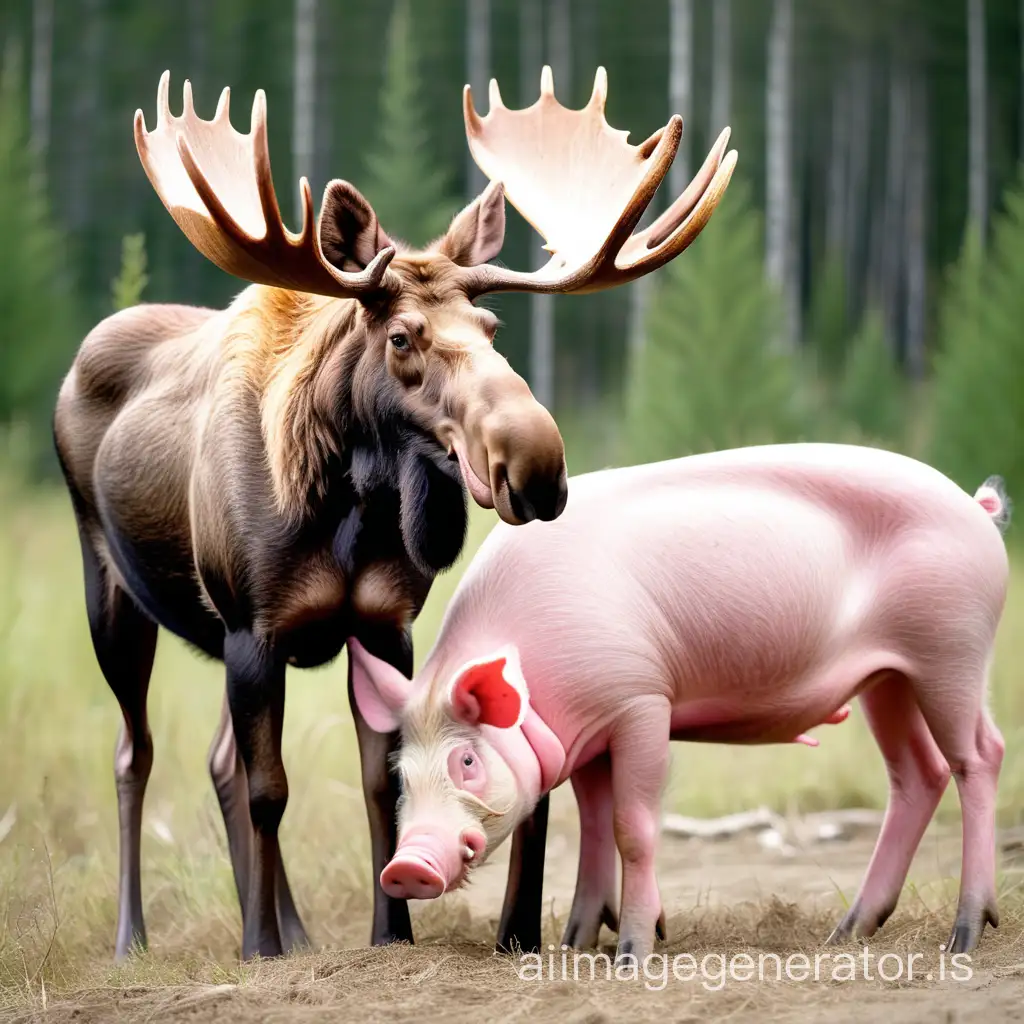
(490, 691)
(350, 235)
(381, 691)
(477, 233)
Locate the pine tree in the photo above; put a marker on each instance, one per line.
(709, 377)
(37, 304)
(871, 394)
(827, 331)
(131, 281)
(407, 187)
(978, 413)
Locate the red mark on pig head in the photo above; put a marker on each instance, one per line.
(490, 692)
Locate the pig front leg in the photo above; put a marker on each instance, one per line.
(596, 899)
(639, 761)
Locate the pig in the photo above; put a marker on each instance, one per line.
(741, 597)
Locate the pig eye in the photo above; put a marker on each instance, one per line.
(467, 761)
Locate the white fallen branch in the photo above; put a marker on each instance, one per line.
(774, 831)
(722, 828)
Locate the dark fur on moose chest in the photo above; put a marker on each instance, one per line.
(363, 580)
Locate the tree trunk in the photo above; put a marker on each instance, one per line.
(42, 76)
(779, 165)
(889, 254)
(478, 73)
(977, 174)
(86, 114)
(838, 167)
(721, 67)
(542, 325)
(917, 189)
(680, 87)
(304, 97)
(856, 218)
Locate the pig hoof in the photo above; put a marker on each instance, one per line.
(661, 928)
(856, 924)
(968, 928)
(583, 931)
(610, 917)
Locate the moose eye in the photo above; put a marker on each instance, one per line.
(399, 342)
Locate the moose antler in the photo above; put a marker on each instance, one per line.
(217, 185)
(584, 188)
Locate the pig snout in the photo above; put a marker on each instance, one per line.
(426, 865)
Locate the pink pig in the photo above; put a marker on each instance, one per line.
(737, 597)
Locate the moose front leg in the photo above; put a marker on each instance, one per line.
(520, 915)
(255, 687)
(229, 781)
(391, 921)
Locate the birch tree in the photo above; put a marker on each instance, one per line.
(304, 95)
(721, 66)
(542, 311)
(779, 164)
(478, 72)
(977, 117)
(680, 86)
(40, 86)
(680, 93)
(916, 226)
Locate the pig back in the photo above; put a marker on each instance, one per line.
(684, 590)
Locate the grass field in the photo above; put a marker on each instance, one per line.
(58, 837)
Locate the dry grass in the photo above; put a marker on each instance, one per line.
(58, 837)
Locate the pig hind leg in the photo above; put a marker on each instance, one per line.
(973, 747)
(596, 898)
(918, 776)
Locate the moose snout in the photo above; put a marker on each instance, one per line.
(540, 498)
(527, 463)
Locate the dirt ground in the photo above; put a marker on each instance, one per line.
(724, 899)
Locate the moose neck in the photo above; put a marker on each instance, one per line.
(337, 437)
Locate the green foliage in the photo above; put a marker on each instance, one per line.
(131, 281)
(872, 393)
(827, 332)
(407, 187)
(978, 410)
(37, 306)
(708, 377)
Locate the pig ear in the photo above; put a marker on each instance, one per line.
(490, 691)
(381, 691)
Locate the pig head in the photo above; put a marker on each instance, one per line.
(474, 760)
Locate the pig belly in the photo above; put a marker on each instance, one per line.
(762, 628)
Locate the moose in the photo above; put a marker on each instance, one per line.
(267, 480)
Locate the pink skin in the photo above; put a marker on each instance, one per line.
(738, 597)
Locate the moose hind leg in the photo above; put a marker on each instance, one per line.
(918, 776)
(124, 640)
(231, 785)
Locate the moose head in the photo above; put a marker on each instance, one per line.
(417, 350)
